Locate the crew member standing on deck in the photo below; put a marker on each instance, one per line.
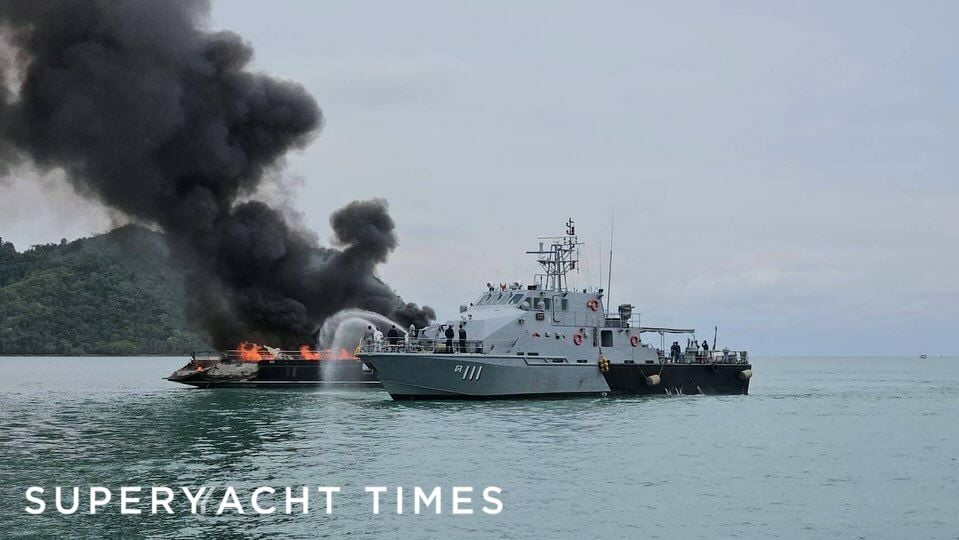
(462, 338)
(377, 340)
(449, 338)
(675, 351)
(368, 336)
(393, 337)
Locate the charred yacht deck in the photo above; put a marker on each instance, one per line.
(257, 366)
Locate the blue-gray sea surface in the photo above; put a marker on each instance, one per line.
(821, 448)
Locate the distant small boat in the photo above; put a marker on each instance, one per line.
(923, 356)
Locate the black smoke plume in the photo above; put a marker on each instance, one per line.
(160, 119)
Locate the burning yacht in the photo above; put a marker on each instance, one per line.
(252, 365)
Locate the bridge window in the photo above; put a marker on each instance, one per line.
(516, 298)
(564, 303)
(606, 338)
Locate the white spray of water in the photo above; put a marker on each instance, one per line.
(344, 330)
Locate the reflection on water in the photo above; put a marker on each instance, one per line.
(836, 447)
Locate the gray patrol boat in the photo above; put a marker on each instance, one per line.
(545, 340)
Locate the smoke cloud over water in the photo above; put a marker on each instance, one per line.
(154, 116)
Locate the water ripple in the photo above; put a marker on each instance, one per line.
(822, 448)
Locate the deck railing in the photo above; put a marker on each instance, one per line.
(723, 356)
(434, 345)
(489, 346)
(439, 346)
(262, 353)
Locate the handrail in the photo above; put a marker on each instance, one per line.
(262, 353)
(438, 345)
(505, 346)
(722, 356)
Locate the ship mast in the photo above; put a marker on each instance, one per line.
(558, 259)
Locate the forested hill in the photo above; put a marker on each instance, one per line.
(113, 294)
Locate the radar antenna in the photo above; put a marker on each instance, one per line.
(557, 259)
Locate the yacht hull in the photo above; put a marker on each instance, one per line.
(279, 373)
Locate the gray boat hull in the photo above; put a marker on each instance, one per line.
(410, 376)
(468, 376)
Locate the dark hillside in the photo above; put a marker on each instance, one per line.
(115, 294)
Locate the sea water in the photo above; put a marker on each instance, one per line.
(821, 448)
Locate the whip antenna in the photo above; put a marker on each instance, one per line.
(609, 281)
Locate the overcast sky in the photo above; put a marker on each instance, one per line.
(788, 171)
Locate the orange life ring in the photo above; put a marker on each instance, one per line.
(593, 304)
(578, 339)
(634, 340)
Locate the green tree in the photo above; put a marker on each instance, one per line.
(118, 293)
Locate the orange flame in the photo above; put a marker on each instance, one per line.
(307, 354)
(251, 352)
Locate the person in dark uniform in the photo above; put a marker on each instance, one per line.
(675, 351)
(449, 338)
(393, 337)
(462, 338)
